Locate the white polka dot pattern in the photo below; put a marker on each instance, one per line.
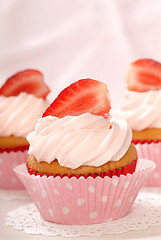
(33, 188)
(44, 193)
(85, 201)
(114, 182)
(80, 201)
(126, 184)
(8, 162)
(151, 151)
(65, 210)
(50, 210)
(56, 192)
(104, 199)
(91, 189)
(118, 203)
(69, 186)
(93, 215)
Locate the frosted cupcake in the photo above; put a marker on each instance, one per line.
(83, 143)
(22, 102)
(141, 109)
(81, 168)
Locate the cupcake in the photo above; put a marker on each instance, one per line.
(141, 109)
(22, 102)
(81, 168)
(73, 137)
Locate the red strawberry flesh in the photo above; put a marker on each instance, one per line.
(85, 95)
(30, 81)
(144, 75)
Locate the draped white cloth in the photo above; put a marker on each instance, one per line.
(72, 39)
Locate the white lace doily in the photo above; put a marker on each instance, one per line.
(14, 194)
(146, 212)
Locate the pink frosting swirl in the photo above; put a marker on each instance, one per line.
(79, 140)
(19, 114)
(141, 109)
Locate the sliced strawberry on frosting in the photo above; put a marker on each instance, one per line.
(30, 81)
(85, 95)
(144, 75)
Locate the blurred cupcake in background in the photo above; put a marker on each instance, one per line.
(82, 165)
(141, 108)
(22, 102)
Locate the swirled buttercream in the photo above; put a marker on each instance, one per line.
(142, 109)
(19, 114)
(86, 139)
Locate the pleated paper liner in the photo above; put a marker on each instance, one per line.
(14, 149)
(10, 158)
(130, 168)
(151, 150)
(84, 200)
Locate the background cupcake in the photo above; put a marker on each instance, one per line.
(22, 102)
(141, 109)
(82, 162)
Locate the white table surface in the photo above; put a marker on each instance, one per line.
(7, 233)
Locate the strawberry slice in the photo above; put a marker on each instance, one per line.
(144, 75)
(85, 95)
(29, 81)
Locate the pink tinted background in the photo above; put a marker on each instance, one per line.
(69, 40)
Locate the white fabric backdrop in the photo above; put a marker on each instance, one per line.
(72, 39)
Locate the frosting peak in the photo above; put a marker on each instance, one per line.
(142, 109)
(86, 139)
(19, 114)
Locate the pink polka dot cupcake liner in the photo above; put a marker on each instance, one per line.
(8, 161)
(151, 150)
(84, 201)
